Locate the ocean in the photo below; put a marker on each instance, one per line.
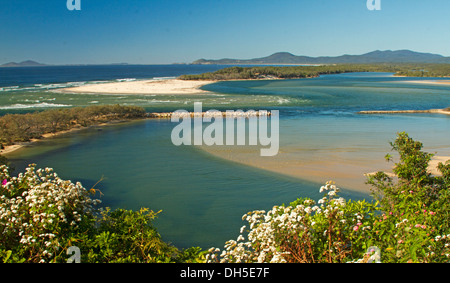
(203, 192)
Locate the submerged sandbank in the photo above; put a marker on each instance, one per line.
(349, 170)
(166, 86)
(344, 168)
(435, 82)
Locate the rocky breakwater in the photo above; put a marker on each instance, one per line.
(226, 114)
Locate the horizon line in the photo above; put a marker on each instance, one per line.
(189, 63)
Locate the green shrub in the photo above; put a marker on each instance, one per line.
(41, 216)
(407, 222)
(25, 127)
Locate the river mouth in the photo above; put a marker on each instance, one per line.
(204, 191)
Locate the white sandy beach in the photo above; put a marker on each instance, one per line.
(169, 86)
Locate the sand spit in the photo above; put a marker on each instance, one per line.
(166, 86)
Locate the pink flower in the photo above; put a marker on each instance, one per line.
(4, 182)
(355, 228)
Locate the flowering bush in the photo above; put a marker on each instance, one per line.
(415, 204)
(41, 216)
(407, 223)
(39, 212)
(329, 231)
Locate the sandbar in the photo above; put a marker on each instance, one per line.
(154, 87)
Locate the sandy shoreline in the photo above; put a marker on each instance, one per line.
(435, 111)
(169, 86)
(435, 82)
(11, 148)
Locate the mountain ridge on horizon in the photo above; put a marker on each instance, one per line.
(287, 58)
(27, 63)
(377, 56)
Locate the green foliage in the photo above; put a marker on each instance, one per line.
(41, 216)
(416, 206)
(125, 236)
(297, 72)
(329, 231)
(25, 127)
(408, 222)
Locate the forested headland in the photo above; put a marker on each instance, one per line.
(297, 72)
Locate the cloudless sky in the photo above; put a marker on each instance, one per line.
(169, 31)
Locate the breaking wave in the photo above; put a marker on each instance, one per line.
(38, 105)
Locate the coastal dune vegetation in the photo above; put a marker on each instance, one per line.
(42, 216)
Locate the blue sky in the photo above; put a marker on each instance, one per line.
(168, 31)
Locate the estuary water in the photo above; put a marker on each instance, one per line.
(203, 192)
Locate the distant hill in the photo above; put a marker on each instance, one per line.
(27, 63)
(388, 56)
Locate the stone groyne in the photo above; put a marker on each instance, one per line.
(227, 114)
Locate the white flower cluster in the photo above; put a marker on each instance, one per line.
(442, 244)
(269, 230)
(35, 204)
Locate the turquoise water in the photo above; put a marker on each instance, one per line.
(202, 196)
(35, 88)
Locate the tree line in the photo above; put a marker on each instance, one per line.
(25, 127)
(297, 72)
